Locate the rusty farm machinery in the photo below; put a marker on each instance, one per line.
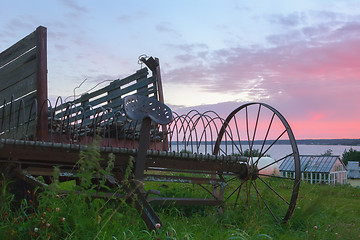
(232, 161)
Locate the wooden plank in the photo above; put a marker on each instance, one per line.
(114, 94)
(11, 69)
(28, 101)
(17, 49)
(120, 92)
(23, 87)
(114, 85)
(14, 77)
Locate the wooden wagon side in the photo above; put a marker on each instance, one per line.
(23, 87)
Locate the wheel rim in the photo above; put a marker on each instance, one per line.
(256, 130)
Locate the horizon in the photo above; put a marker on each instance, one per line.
(299, 57)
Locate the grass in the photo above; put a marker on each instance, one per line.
(322, 212)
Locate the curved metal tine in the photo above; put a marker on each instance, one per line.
(77, 128)
(34, 103)
(21, 107)
(207, 128)
(12, 112)
(272, 189)
(276, 161)
(267, 206)
(190, 126)
(212, 120)
(204, 132)
(2, 128)
(176, 131)
(91, 121)
(229, 134)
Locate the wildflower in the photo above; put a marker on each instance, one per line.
(158, 225)
(329, 226)
(57, 209)
(315, 227)
(63, 219)
(48, 224)
(28, 192)
(57, 196)
(36, 229)
(5, 214)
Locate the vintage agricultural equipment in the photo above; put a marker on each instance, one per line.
(227, 159)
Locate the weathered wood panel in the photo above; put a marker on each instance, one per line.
(19, 90)
(12, 78)
(23, 78)
(18, 49)
(107, 97)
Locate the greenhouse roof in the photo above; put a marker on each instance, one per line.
(310, 163)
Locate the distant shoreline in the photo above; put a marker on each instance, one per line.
(344, 142)
(347, 142)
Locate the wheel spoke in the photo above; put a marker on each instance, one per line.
(267, 133)
(267, 206)
(276, 161)
(255, 128)
(208, 191)
(229, 180)
(260, 156)
(258, 198)
(237, 197)
(235, 190)
(272, 189)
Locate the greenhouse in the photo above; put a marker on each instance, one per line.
(316, 169)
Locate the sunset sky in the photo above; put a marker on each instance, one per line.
(301, 57)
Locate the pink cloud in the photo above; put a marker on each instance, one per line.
(311, 74)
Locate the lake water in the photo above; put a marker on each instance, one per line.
(279, 151)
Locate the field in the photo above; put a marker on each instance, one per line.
(321, 212)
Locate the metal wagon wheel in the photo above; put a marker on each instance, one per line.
(262, 136)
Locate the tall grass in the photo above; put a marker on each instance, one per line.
(322, 212)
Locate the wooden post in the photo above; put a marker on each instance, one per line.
(41, 83)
